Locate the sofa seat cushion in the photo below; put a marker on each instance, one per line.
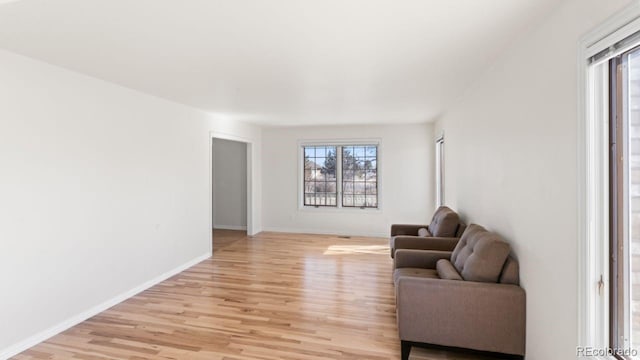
(480, 255)
(444, 223)
(414, 272)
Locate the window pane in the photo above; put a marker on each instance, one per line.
(309, 152)
(309, 187)
(347, 174)
(347, 151)
(347, 187)
(347, 200)
(372, 151)
(309, 174)
(372, 188)
(371, 201)
(309, 199)
(331, 187)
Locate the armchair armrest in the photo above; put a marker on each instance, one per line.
(425, 243)
(481, 316)
(425, 259)
(406, 229)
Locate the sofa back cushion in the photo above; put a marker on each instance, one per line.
(480, 255)
(444, 223)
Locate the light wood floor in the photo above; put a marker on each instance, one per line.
(272, 296)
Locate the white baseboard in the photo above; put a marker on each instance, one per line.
(56, 329)
(230, 227)
(325, 232)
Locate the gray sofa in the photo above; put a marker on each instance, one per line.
(468, 298)
(442, 234)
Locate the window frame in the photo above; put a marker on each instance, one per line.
(339, 144)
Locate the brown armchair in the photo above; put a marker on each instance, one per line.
(468, 298)
(442, 234)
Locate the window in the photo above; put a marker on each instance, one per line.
(609, 188)
(440, 171)
(340, 176)
(624, 199)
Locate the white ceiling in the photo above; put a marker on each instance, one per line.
(278, 62)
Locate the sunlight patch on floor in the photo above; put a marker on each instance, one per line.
(356, 249)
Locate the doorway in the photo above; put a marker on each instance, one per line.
(230, 171)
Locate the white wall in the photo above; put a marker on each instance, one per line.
(229, 184)
(511, 165)
(102, 189)
(405, 174)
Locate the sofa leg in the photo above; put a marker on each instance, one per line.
(405, 349)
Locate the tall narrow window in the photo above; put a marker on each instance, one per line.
(440, 171)
(624, 230)
(343, 176)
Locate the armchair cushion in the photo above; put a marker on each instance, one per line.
(424, 232)
(480, 255)
(446, 271)
(445, 222)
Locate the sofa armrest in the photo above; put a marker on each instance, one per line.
(425, 243)
(475, 315)
(426, 259)
(406, 229)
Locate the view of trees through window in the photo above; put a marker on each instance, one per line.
(351, 170)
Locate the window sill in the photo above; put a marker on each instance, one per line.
(326, 209)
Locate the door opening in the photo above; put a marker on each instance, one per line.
(230, 191)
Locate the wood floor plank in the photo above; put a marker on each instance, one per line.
(272, 296)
